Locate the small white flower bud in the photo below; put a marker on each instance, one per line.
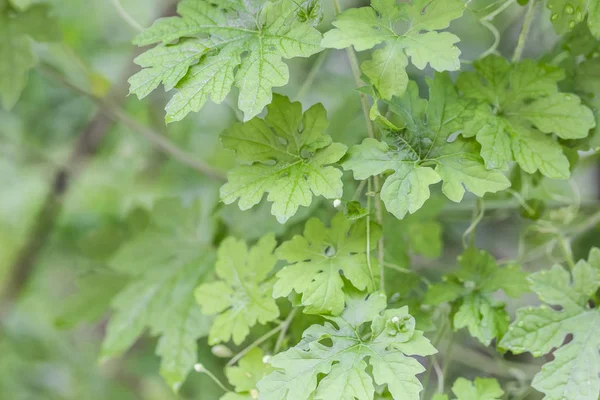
(337, 203)
(199, 367)
(221, 351)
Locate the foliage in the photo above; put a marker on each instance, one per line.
(419, 39)
(566, 14)
(479, 389)
(519, 105)
(252, 368)
(214, 40)
(241, 298)
(288, 239)
(469, 290)
(289, 157)
(165, 263)
(420, 155)
(575, 367)
(386, 342)
(317, 259)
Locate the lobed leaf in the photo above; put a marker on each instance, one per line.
(290, 158)
(220, 44)
(241, 298)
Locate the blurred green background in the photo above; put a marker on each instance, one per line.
(51, 336)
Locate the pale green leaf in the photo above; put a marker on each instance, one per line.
(407, 30)
(241, 297)
(387, 70)
(250, 370)
(165, 64)
(573, 372)
(480, 389)
(317, 259)
(519, 105)
(364, 332)
(165, 264)
(566, 14)
(290, 159)
(230, 44)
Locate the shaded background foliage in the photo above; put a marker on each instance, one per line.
(51, 338)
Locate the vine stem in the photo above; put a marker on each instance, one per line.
(126, 17)
(203, 370)
(285, 325)
(256, 343)
(565, 248)
(486, 22)
(312, 74)
(478, 214)
(371, 132)
(524, 31)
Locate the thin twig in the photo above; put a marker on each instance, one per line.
(439, 373)
(479, 212)
(312, 74)
(203, 370)
(115, 113)
(126, 17)
(487, 22)
(565, 247)
(524, 31)
(368, 221)
(284, 328)
(254, 344)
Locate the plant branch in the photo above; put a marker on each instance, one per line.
(565, 247)
(256, 343)
(371, 132)
(312, 74)
(285, 325)
(126, 17)
(486, 21)
(203, 370)
(524, 31)
(115, 113)
(478, 214)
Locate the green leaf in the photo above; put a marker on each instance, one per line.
(317, 259)
(246, 375)
(241, 298)
(17, 31)
(518, 106)
(406, 30)
(480, 389)
(289, 157)
(364, 332)
(421, 155)
(567, 14)
(470, 290)
(574, 370)
(222, 44)
(165, 263)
